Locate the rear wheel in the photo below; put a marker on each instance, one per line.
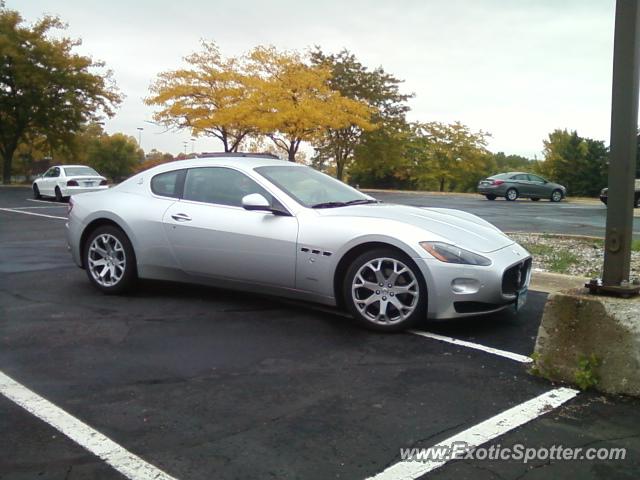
(36, 192)
(385, 291)
(511, 195)
(109, 260)
(490, 197)
(58, 193)
(556, 196)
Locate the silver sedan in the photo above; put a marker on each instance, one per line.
(261, 224)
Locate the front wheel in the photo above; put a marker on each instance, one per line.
(556, 196)
(36, 192)
(58, 193)
(385, 291)
(109, 260)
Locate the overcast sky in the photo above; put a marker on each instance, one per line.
(515, 68)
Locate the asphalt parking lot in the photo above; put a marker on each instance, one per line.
(202, 383)
(522, 215)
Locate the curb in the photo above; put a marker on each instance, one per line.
(555, 282)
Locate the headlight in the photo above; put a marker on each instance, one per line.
(451, 254)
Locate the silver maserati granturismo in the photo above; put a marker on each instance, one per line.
(260, 224)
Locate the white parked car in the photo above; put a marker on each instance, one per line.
(62, 181)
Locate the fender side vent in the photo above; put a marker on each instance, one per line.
(327, 254)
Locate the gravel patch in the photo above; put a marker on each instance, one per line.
(571, 256)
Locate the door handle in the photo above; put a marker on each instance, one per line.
(181, 217)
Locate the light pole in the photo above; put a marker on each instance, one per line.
(140, 129)
(193, 144)
(622, 166)
(185, 143)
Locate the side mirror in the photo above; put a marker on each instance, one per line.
(255, 201)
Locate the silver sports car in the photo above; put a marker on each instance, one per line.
(261, 224)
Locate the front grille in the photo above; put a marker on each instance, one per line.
(515, 277)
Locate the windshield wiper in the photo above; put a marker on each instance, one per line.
(359, 201)
(362, 201)
(329, 205)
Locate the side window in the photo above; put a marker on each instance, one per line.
(55, 172)
(535, 178)
(168, 184)
(519, 177)
(222, 186)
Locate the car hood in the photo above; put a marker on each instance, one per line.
(454, 226)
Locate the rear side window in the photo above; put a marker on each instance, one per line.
(168, 184)
(220, 185)
(520, 177)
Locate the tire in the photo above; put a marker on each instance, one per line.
(490, 197)
(362, 283)
(59, 197)
(636, 203)
(110, 244)
(556, 196)
(511, 195)
(533, 199)
(36, 192)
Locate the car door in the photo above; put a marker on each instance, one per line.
(49, 181)
(522, 184)
(538, 187)
(212, 235)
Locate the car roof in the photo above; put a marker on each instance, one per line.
(67, 166)
(241, 161)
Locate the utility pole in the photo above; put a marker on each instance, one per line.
(622, 166)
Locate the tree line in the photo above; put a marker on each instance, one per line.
(53, 102)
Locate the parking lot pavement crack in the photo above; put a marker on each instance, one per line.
(532, 468)
(478, 466)
(612, 439)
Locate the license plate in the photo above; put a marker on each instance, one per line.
(88, 184)
(521, 299)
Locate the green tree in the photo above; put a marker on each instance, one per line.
(449, 156)
(378, 89)
(512, 163)
(115, 156)
(45, 88)
(576, 162)
(382, 159)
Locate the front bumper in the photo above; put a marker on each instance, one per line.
(456, 290)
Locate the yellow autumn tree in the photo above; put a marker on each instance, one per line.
(291, 101)
(203, 97)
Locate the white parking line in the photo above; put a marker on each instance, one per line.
(13, 210)
(463, 343)
(125, 462)
(39, 206)
(483, 432)
(42, 201)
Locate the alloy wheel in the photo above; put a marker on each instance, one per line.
(385, 291)
(107, 260)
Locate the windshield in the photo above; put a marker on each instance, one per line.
(77, 171)
(312, 188)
